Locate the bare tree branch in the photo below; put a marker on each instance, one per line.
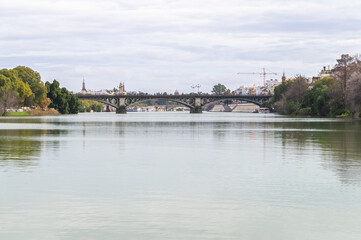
(8, 99)
(354, 92)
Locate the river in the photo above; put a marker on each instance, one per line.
(179, 176)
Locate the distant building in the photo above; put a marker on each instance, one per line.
(269, 87)
(324, 73)
(101, 92)
(176, 93)
(271, 84)
(252, 91)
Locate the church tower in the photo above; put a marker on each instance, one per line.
(122, 88)
(83, 90)
(283, 77)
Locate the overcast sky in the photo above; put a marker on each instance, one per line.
(164, 45)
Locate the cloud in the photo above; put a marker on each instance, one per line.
(161, 45)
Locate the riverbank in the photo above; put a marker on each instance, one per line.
(34, 112)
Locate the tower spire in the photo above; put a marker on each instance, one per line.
(83, 89)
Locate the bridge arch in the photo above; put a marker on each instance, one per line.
(167, 99)
(134, 101)
(204, 106)
(104, 101)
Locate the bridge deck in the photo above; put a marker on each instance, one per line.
(88, 96)
(195, 102)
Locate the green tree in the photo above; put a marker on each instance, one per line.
(88, 105)
(73, 104)
(292, 107)
(54, 93)
(61, 99)
(33, 79)
(279, 91)
(9, 80)
(220, 89)
(318, 99)
(288, 97)
(325, 98)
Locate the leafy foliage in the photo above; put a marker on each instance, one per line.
(324, 98)
(33, 79)
(291, 107)
(288, 96)
(10, 80)
(61, 99)
(88, 105)
(26, 83)
(305, 111)
(338, 95)
(220, 89)
(23, 86)
(279, 91)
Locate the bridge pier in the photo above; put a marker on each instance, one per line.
(197, 109)
(197, 103)
(122, 108)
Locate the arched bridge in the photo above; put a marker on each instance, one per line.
(195, 102)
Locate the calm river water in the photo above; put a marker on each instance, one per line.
(179, 176)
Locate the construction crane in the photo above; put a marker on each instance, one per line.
(264, 73)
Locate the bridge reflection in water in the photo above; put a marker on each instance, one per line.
(196, 103)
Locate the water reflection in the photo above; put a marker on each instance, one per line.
(178, 176)
(339, 143)
(16, 148)
(337, 140)
(342, 151)
(23, 147)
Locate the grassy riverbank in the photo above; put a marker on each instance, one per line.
(15, 114)
(34, 112)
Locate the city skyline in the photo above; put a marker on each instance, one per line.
(167, 45)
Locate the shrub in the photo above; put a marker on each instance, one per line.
(305, 111)
(347, 114)
(336, 108)
(41, 112)
(292, 107)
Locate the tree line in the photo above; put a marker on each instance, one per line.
(336, 95)
(23, 87)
